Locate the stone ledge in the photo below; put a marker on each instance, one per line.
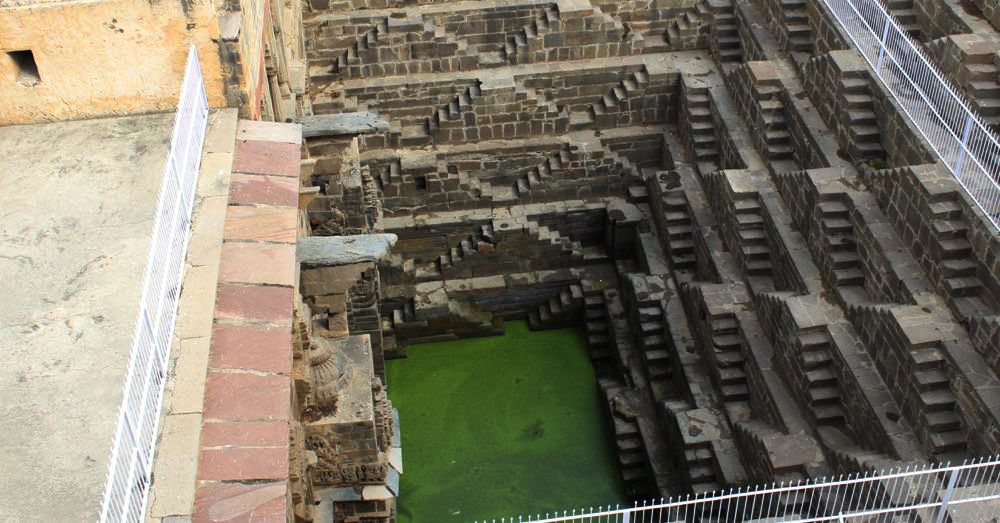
(247, 394)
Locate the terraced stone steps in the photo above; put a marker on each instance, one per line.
(679, 240)
(456, 110)
(754, 250)
(562, 310)
(855, 95)
(689, 30)
(727, 353)
(606, 112)
(480, 241)
(697, 116)
(724, 40)
(361, 47)
(840, 243)
(927, 209)
(970, 61)
(518, 43)
(821, 380)
(905, 15)
(926, 390)
(596, 322)
(796, 22)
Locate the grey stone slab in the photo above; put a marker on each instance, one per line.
(328, 251)
(342, 123)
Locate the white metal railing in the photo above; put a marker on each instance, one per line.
(962, 140)
(130, 468)
(968, 492)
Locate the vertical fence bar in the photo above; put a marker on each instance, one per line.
(946, 498)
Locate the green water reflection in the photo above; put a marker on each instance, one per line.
(501, 425)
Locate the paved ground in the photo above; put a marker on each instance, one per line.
(76, 212)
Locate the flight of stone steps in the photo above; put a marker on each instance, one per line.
(605, 111)
(560, 311)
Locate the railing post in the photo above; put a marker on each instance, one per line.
(964, 146)
(627, 517)
(947, 495)
(881, 49)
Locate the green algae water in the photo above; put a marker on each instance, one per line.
(503, 425)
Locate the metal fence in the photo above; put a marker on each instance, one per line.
(130, 469)
(968, 492)
(959, 136)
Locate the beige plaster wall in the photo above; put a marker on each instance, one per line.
(108, 57)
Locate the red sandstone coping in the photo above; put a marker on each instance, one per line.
(263, 190)
(244, 447)
(232, 502)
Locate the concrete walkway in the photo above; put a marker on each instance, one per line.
(76, 217)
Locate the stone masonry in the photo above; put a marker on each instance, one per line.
(776, 279)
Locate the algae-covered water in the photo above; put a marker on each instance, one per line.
(502, 425)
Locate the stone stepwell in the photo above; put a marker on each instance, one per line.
(776, 279)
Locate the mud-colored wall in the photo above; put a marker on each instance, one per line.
(104, 58)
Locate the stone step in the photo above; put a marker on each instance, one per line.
(853, 85)
(654, 342)
(700, 474)
(755, 252)
(946, 210)
(924, 359)
(684, 261)
(596, 327)
(679, 247)
(964, 287)
(940, 421)
(949, 441)
(837, 226)
(727, 342)
(759, 268)
(931, 379)
(732, 375)
(814, 341)
(858, 102)
(629, 444)
(731, 358)
(631, 459)
(821, 377)
(938, 400)
(678, 232)
(959, 268)
(753, 236)
(841, 242)
(866, 133)
(946, 229)
(953, 248)
(851, 277)
(725, 325)
(845, 259)
(824, 396)
(735, 392)
(984, 89)
(598, 341)
(816, 359)
(834, 209)
(634, 475)
(861, 117)
(827, 415)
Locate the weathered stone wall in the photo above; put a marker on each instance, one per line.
(106, 58)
